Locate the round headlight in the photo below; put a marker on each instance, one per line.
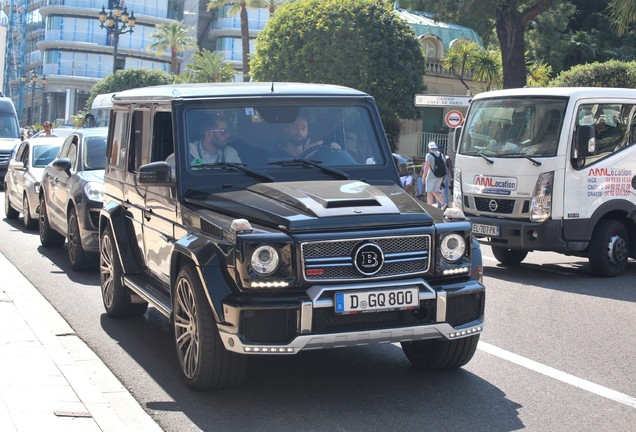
(453, 247)
(265, 260)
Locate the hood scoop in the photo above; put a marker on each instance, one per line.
(329, 198)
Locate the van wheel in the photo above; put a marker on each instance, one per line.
(440, 354)
(77, 256)
(609, 248)
(205, 363)
(29, 222)
(508, 256)
(115, 295)
(9, 211)
(48, 236)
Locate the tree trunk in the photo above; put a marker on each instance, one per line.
(245, 38)
(510, 31)
(175, 60)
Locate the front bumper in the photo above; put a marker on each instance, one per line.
(446, 312)
(516, 234)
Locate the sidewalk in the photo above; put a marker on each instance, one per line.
(49, 379)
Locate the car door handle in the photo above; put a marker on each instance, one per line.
(148, 214)
(56, 180)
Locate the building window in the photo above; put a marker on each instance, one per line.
(432, 46)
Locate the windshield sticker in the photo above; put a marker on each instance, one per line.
(496, 185)
(609, 182)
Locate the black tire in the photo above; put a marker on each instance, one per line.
(29, 222)
(77, 256)
(508, 256)
(440, 354)
(205, 363)
(609, 248)
(115, 295)
(48, 236)
(9, 212)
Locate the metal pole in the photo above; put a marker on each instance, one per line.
(115, 43)
(31, 113)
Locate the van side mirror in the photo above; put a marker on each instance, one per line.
(456, 135)
(155, 173)
(585, 141)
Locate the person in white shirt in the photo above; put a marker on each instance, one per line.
(213, 147)
(433, 183)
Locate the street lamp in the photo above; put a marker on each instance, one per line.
(116, 22)
(33, 84)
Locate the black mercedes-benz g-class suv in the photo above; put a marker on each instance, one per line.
(267, 218)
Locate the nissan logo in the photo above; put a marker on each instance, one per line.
(493, 206)
(368, 259)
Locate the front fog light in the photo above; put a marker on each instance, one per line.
(453, 247)
(265, 260)
(94, 191)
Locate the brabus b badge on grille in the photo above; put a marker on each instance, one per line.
(368, 259)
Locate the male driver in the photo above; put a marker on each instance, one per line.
(297, 139)
(213, 147)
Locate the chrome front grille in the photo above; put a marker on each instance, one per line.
(334, 260)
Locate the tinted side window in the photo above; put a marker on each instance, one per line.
(136, 147)
(117, 149)
(162, 143)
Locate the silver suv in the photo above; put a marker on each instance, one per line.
(267, 218)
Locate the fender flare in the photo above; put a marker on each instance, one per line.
(113, 215)
(621, 207)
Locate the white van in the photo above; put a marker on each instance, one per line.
(100, 110)
(551, 169)
(9, 134)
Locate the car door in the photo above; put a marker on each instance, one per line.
(60, 186)
(14, 176)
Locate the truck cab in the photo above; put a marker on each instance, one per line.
(551, 169)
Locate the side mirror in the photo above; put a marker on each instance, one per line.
(17, 166)
(585, 141)
(155, 173)
(63, 164)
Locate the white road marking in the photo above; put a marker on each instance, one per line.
(558, 375)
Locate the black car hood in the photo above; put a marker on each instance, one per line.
(318, 205)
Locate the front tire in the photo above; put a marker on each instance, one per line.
(9, 212)
(29, 222)
(77, 256)
(115, 295)
(433, 354)
(205, 363)
(48, 236)
(609, 248)
(508, 256)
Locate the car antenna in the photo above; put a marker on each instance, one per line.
(272, 90)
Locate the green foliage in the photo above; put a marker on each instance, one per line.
(355, 43)
(173, 37)
(622, 14)
(207, 67)
(609, 74)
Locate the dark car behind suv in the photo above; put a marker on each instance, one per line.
(71, 196)
(267, 218)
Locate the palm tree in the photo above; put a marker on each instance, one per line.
(487, 67)
(174, 37)
(240, 6)
(460, 59)
(622, 13)
(207, 66)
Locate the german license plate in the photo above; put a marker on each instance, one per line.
(374, 301)
(491, 230)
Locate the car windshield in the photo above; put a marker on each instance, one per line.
(44, 154)
(514, 127)
(8, 126)
(273, 138)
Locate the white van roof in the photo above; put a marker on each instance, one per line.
(104, 100)
(575, 92)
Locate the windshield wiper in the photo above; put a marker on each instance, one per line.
(490, 161)
(512, 155)
(238, 166)
(312, 163)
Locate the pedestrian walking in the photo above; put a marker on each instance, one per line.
(433, 173)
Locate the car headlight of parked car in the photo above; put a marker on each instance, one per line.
(94, 191)
(453, 247)
(265, 260)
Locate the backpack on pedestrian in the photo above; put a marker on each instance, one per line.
(439, 167)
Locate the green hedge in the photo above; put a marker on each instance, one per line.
(613, 73)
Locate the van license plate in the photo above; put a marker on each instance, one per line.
(491, 230)
(373, 301)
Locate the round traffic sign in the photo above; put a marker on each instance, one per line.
(454, 118)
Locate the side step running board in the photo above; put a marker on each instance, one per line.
(149, 293)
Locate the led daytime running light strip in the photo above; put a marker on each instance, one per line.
(268, 349)
(465, 332)
(457, 270)
(274, 284)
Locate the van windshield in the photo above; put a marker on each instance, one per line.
(514, 127)
(8, 126)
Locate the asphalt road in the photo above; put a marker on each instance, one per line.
(558, 354)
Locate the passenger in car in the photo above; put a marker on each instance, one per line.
(214, 145)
